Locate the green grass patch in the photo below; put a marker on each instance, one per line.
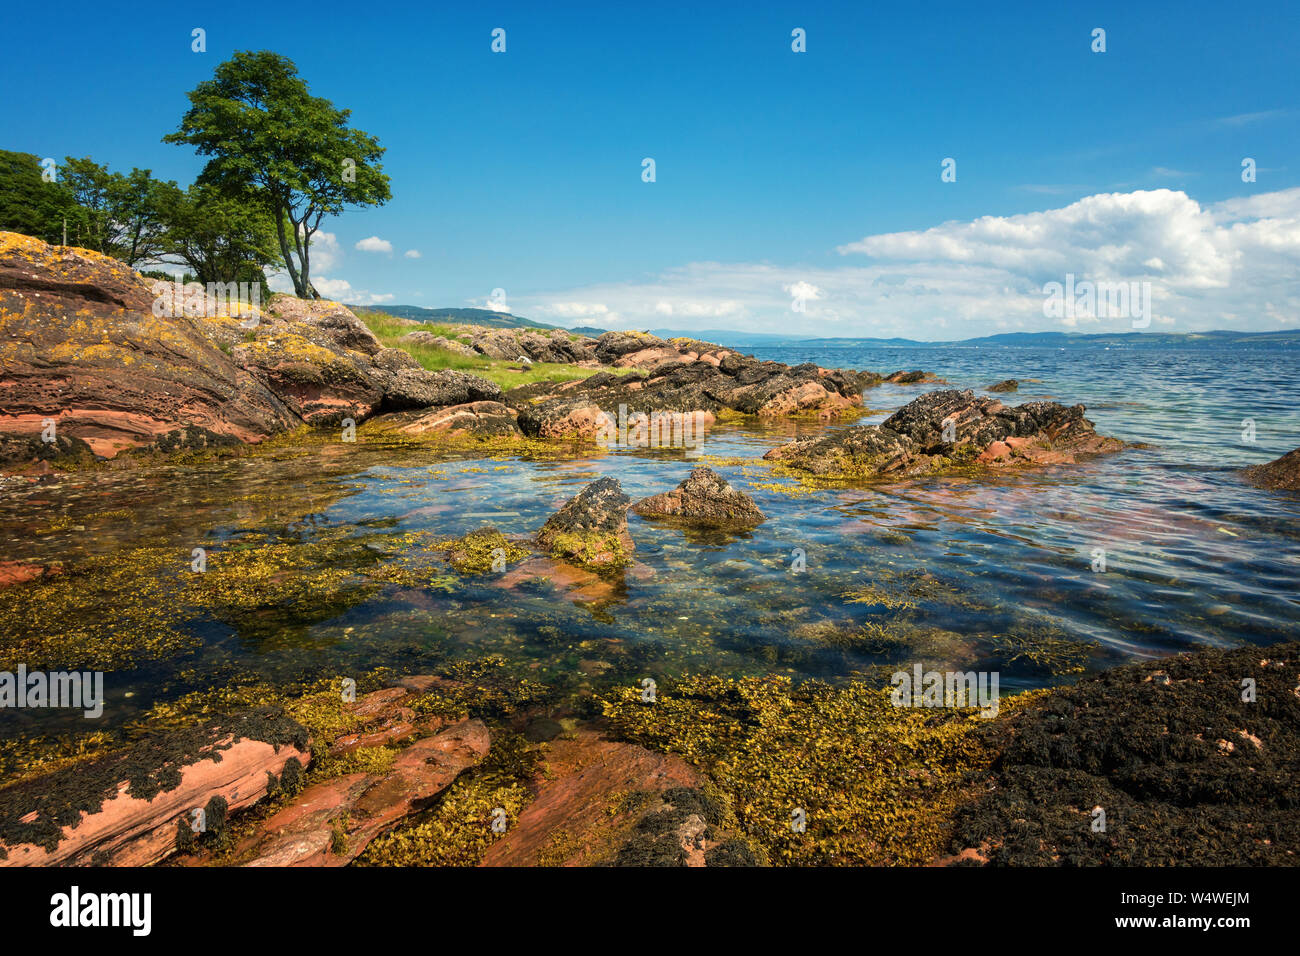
(504, 372)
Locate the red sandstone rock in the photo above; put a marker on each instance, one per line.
(570, 822)
(313, 829)
(128, 831)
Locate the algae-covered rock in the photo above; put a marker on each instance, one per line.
(1193, 760)
(703, 498)
(82, 347)
(591, 528)
(1008, 385)
(949, 428)
(816, 775)
(124, 808)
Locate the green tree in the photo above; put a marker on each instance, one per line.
(29, 204)
(265, 132)
(221, 237)
(123, 216)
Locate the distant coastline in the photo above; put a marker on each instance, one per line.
(1219, 339)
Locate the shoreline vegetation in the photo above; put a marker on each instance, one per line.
(477, 762)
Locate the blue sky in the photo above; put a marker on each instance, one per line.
(781, 177)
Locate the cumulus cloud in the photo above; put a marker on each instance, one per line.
(374, 244)
(412, 253)
(326, 253)
(1229, 264)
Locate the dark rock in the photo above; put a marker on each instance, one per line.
(1010, 385)
(591, 528)
(946, 428)
(1281, 474)
(703, 498)
(612, 346)
(908, 378)
(1186, 772)
(417, 388)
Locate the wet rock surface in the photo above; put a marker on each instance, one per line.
(704, 498)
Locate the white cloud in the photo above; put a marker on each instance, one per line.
(1223, 265)
(326, 253)
(803, 290)
(412, 253)
(374, 244)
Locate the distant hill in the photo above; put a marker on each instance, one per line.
(488, 317)
(1287, 339)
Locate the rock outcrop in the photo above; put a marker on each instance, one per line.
(82, 352)
(688, 385)
(330, 823)
(946, 428)
(1281, 474)
(131, 809)
(97, 357)
(591, 528)
(704, 498)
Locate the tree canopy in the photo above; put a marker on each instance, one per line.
(270, 140)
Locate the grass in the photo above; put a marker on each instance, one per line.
(388, 329)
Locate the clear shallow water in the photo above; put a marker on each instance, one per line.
(978, 574)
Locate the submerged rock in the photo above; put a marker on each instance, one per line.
(1281, 474)
(1009, 385)
(703, 498)
(591, 528)
(946, 428)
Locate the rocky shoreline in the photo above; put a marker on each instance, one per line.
(1164, 749)
(462, 767)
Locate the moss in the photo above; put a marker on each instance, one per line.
(878, 783)
(595, 550)
(108, 613)
(457, 830)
